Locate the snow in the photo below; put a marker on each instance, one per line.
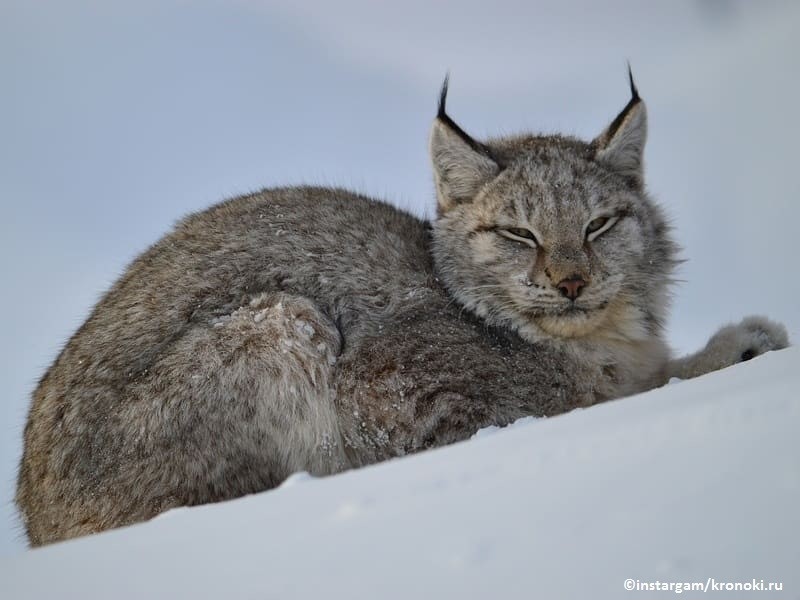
(684, 483)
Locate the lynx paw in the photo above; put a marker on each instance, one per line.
(751, 337)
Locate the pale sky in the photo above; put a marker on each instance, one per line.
(118, 118)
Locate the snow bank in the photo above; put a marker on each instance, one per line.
(693, 481)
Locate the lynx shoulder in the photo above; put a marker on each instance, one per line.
(319, 330)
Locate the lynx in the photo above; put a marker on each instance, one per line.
(313, 329)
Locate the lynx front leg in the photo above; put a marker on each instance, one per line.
(730, 345)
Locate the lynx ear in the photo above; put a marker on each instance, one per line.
(621, 145)
(460, 164)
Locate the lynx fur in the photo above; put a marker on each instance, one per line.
(313, 329)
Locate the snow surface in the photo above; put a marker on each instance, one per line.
(695, 480)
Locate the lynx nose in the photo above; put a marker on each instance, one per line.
(571, 286)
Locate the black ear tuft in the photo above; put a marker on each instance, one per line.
(442, 116)
(442, 113)
(634, 92)
(621, 145)
(633, 102)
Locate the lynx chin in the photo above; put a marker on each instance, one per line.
(316, 329)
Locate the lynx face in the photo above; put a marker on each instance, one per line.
(549, 235)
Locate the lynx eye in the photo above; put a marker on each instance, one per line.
(598, 226)
(519, 234)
